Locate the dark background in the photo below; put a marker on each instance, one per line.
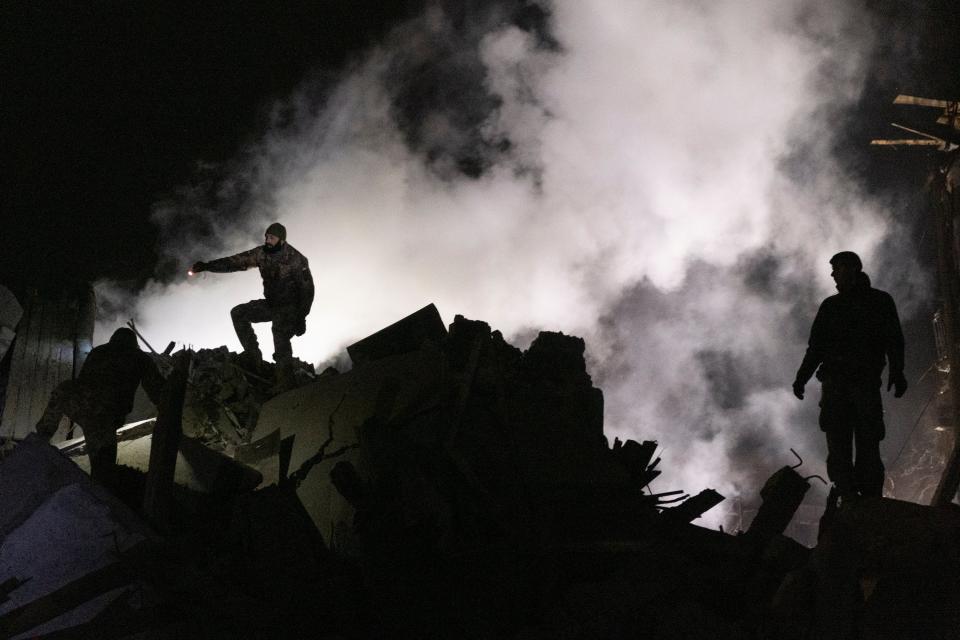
(108, 106)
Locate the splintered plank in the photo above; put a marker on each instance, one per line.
(67, 340)
(60, 364)
(20, 368)
(165, 443)
(44, 366)
(692, 508)
(46, 361)
(38, 359)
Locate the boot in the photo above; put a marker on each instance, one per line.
(250, 360)
(284, 378)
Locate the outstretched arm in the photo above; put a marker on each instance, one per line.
(238, 262)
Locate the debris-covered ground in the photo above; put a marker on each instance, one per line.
(224, 395)
(448, 486)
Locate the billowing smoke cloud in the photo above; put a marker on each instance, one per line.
(657, 177)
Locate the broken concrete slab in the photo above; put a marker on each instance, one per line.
(346, 401)
(68, 537)
(198, 467)
(403, 336)
(782, 495)
(32, 472)
(57, 526)
(264, 454)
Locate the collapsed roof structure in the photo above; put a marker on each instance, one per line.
(448, 485)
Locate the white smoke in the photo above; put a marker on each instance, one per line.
(654, 176)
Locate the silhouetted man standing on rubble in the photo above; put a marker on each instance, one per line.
(101, 396)
(287, 293)
(853, 333)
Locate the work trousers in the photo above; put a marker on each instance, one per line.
(851, 416)
(284, 321)
(99, 424)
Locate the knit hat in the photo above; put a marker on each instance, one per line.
(277, 229)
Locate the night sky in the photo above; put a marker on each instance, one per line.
(110, 105)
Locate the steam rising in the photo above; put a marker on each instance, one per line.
(654, 176)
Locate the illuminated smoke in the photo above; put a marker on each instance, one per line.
(654, 176)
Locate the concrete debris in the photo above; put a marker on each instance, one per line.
(224, 397)
(199, 466)
(782, 494)
(448, 485)
(403, 336)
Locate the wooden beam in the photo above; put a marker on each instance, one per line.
(165, 443)
(921, 102)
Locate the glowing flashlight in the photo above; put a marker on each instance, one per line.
(190, 272)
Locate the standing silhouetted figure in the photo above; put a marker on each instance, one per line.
(856, 332)
(287, 298)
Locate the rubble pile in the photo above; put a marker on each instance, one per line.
(224, 396)
(451, 485)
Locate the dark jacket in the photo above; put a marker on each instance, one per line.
(285, 273)
(113, 371)
(853, 335)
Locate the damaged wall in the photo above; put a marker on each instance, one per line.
(53, 339)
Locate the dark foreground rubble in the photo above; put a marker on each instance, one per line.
(448, 486)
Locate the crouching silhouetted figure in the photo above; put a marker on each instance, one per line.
(853, 334)
(101, 396)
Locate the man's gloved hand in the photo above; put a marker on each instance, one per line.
(798, 389)
(301, 326)
(199, 266)
(898, 383)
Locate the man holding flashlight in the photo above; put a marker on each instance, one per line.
(287, 298)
